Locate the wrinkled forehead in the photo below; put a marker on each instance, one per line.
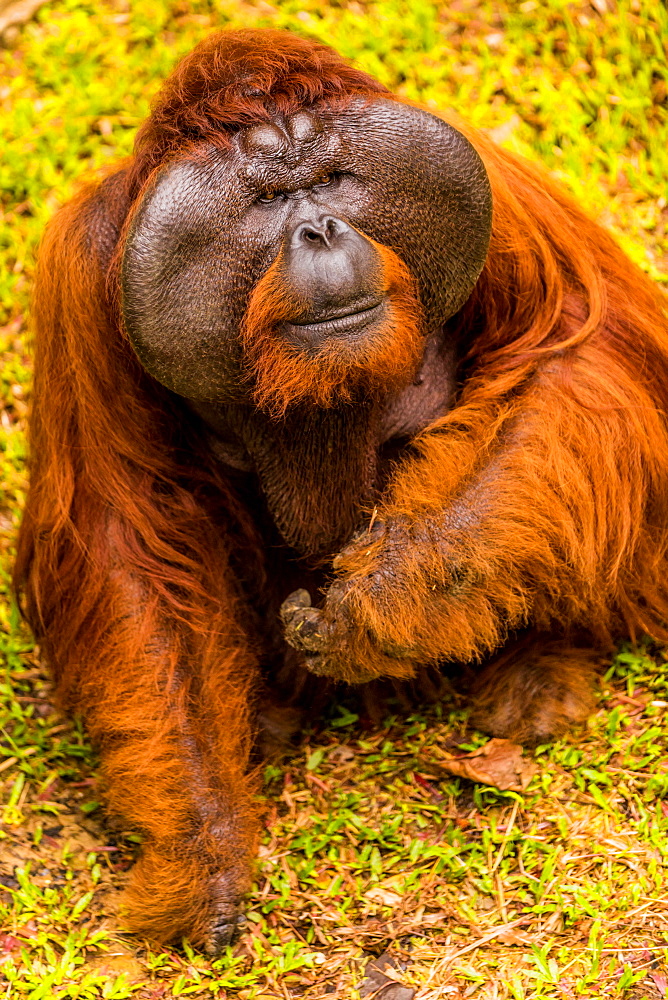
(288, 151)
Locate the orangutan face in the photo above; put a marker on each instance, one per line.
(326, 244)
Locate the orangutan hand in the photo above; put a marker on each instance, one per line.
(372, 617)
(177, 891)
(227, 922)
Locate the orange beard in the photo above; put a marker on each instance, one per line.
(285, 374)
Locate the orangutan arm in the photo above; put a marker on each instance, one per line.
(169, 708)
(128, 586)
(534, 511)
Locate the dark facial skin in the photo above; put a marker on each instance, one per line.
(336, 272)
(318, 190)
(314, 187)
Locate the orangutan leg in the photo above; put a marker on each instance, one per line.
(535, 690)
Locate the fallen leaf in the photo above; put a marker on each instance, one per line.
(8, 944)
(660, 982)
(17, 12)
(379, 986)
(513, 937)
(384, 896)
(499, 763)
(119, 963)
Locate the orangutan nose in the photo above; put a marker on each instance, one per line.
(322, 233)
(331, 268)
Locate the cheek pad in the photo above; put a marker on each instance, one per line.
(185, 280)
(430, 197)
(197, 244)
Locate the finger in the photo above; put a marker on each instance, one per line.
(359, 541)
(307, 630)
(224, 928)
(321, 666)
(296, 601)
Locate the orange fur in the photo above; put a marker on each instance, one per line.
(285, 375)
(534, 691)
(541, 497)
(125, 582)
(558, 445)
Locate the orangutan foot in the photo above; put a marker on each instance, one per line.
(533, 693)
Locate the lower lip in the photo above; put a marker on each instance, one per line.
(337, 325)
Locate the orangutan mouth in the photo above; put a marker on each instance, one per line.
(310, 334)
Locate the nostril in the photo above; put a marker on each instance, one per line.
(320, 233)
(312, 235)
(315, 235)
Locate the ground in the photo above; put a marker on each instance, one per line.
(371, 848)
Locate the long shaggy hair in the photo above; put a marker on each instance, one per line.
(123, 561)
(563, 401)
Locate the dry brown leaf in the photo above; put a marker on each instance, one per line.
(514, 937)
(16, 853)
(119, 963)
(384, 896)
(380, 982)
(660, 982)
(499, 763)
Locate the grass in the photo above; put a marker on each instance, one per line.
(558, 892)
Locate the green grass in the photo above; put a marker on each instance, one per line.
(559, 892)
